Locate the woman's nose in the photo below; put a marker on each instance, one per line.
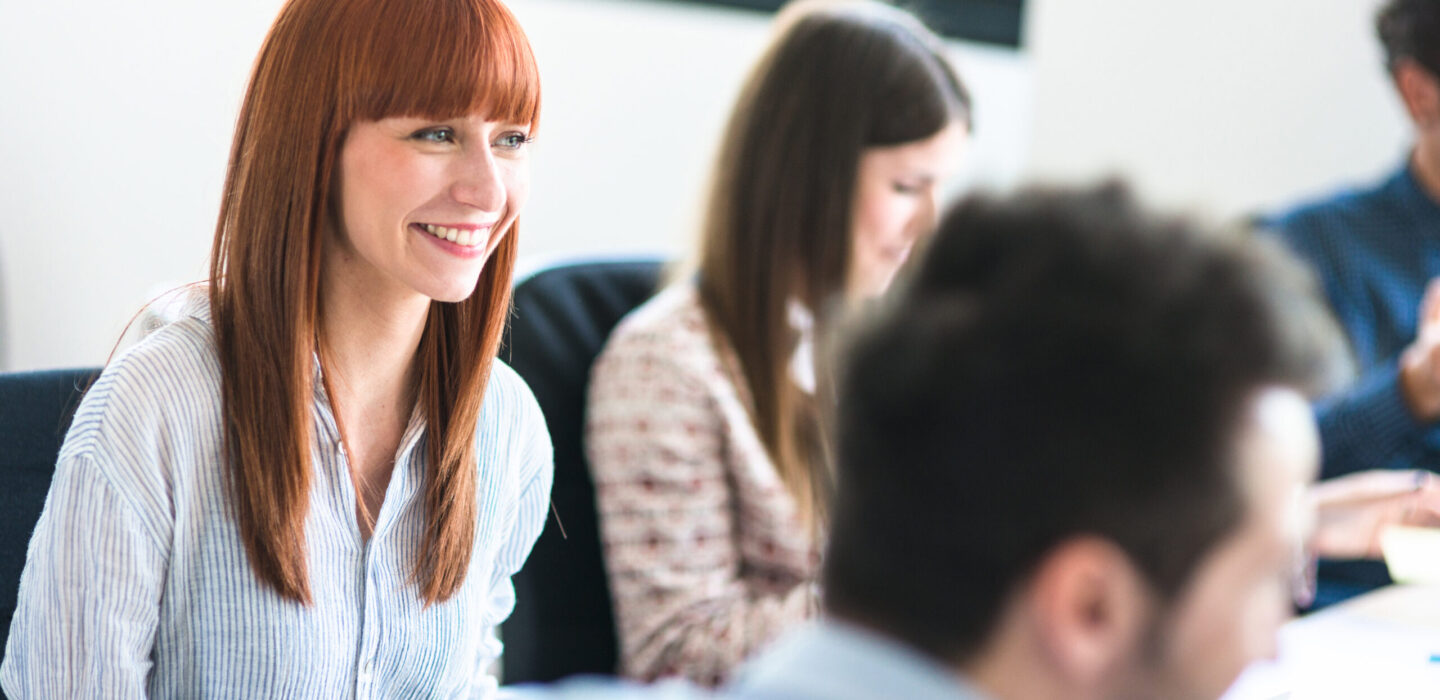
(928, 214)
(480, 183)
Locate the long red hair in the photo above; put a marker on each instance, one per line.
(325, 65)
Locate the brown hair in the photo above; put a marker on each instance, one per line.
(839, 77)
(325, 65)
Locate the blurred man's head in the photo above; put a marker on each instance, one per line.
(1069, 447)
(1409, 31)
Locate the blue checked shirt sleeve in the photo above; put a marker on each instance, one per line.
(1367, 426)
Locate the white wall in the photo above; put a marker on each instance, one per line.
(1225, 106)
(117, 116)
(115, 120)
(636, 95)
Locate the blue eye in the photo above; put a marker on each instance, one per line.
(513, 141)
(439, 134)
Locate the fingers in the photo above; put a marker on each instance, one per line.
(1376, 484)
(1353, 510)
(1427, 500)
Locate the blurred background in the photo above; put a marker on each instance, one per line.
(115, 122)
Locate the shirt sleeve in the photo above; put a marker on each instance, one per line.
(656, 446)
(72, 635)
(1365, 425)
(1368, 426)
(537, 473)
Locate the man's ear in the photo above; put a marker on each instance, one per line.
(1420, 91)
(1091, 609)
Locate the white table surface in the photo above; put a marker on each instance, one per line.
(1381, 645)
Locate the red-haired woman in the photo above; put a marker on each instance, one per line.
(319, 482)
(703, 432)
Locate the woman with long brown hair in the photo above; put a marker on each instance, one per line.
(703, 434)
(319, 481)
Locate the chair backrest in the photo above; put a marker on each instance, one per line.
(562, 623)
(35, 412)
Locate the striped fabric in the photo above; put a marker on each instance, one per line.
(137, 582)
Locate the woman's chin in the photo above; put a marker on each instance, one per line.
(452, 291)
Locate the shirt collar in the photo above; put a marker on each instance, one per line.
(802, 363)
(1409, 186)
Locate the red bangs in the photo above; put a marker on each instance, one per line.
(440, 59)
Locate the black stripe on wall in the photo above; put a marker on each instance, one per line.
(986, 21)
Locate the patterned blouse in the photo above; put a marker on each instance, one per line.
(707, 556)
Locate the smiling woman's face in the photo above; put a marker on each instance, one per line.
(423, 203)
(897, 190)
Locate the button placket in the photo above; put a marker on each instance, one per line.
(365, 674)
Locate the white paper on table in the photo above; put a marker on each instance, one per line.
(1382, 648)
(1412, 553)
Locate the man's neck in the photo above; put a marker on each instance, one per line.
(1013, 666)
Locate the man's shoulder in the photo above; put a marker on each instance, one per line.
(1334, 228)
(833, 660)
(1342, 209)
(607, 688)
(1379, 206)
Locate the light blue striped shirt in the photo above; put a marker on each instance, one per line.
(137, 582)
(827, 659)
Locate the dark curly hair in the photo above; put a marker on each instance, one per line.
(1059, 363)
(1410, 29)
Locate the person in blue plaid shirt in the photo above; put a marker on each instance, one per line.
(1377, 253)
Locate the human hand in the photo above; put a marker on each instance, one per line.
(1420, 362)
(1352, 510)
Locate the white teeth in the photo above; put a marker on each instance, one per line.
(458, 236)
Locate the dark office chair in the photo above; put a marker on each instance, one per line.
(35, 412)
(562, 624)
